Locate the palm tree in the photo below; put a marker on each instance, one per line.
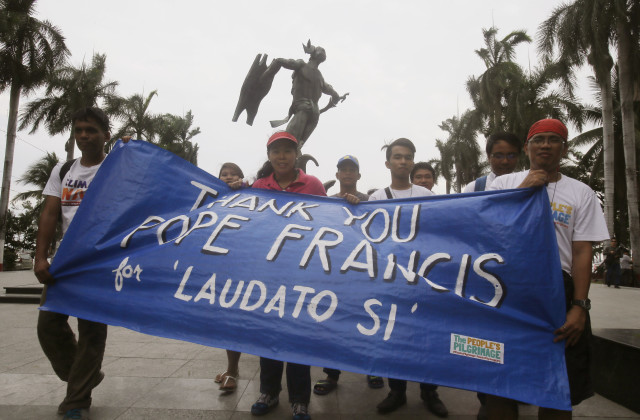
(627, 26)
(444, 166)
(37, 174)
(489, 90)
(533, 97)
(581, 32)
(69, 89)
(137, 120)
(175, 134)
(459, 154)
(602, 22)
(29, 50)
(592, 161)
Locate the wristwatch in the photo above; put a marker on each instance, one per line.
(583, 303)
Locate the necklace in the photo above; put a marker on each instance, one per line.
(555, 185)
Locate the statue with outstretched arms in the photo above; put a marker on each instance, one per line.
(308, 85)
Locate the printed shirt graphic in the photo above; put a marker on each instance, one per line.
(575, 208)
(72, 188)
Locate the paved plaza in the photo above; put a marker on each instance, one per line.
(155, 378)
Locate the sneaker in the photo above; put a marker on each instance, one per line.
(300, 411)
(77, 414)
(394, 400)
(434, 404)
(264, 404)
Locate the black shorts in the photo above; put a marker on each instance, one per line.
(578, 356)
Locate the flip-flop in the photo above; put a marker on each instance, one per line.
(324, 386)
(375, 381)
(229, 383)
(220, 377)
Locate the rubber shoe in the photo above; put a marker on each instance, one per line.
(300, 411)
(434, 404)
(393, 401)
(264, 404)
(77, 414)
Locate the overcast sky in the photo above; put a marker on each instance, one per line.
(404, 64)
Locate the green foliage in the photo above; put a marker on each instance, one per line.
(22, 229)
(70, 88)
(459, 153)
(175, 134)
(29, 48)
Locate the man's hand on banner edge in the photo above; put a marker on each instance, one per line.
(573, 327)
(535, 178)
(41, 270)
(351, 199)
(125, 139)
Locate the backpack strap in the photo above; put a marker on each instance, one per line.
(65, 168)
(388, 191)
(481, 184)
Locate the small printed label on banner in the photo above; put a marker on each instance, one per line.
(478, 348)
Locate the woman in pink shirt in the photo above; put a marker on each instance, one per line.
(279, 173)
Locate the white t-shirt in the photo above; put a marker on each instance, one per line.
(472, 185)
(72, 188)
(414, 191)
(576, 212)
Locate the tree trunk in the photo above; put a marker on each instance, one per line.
(608, 149)
(71, 145)
(14, 102)
(628, 135)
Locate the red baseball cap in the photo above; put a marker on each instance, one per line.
(281, 135)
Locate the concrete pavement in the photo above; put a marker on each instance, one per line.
(155, 378)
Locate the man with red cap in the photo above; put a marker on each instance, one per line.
(578, 222)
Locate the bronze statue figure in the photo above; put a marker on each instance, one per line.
(307, 87)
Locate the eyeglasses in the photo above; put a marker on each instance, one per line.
(500, 156)
(540, 140)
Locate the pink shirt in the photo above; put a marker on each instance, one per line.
(305, 184)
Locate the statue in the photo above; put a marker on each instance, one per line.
(307, 87)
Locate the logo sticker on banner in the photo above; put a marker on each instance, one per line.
(461, 290)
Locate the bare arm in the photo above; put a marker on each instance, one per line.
(327, 89)
(581, 273)
(46, 232)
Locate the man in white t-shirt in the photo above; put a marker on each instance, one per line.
(579, 222)
(400, 154)
(76, 362)
(503, 151)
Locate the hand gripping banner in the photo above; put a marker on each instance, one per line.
(462, 290)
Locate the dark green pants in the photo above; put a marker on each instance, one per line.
(76, 362)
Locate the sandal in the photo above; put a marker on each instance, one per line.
(229, 383)
(375, 381)
(324, 386)
(220, 377)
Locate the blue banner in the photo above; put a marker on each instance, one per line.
(462, 290)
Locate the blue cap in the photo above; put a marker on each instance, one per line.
(349, 158)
